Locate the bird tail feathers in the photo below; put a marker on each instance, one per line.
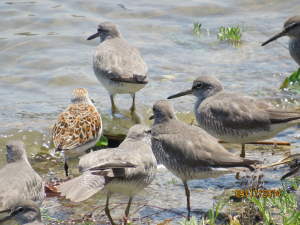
(82, 187)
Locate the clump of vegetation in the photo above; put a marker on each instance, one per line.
(173, 181)
(212, 215)
(232, 34)
(292, 83)
(197, 28)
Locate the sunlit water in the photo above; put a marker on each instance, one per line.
(44, 55)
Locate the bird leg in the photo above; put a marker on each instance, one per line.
(107, 211)
(127, 210)
(243, 154)
(113, 106)
(133, 103)
(187, 193)
(66, 167)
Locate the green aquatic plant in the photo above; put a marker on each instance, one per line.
(102, 142)
(292, 83)
(197, 28)
(286, 203)
(212, 215)
(173, 181)
(193, 221)
(233, 34)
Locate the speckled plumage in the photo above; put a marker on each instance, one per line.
(291, 28)
(127, 169)
(235, 118)
(25, 212)
(118, 66)
(188, 151)
(18, 181)
(79, 127)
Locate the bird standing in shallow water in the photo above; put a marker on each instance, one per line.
(78, 128)
(25, 212)
(127, 170)
(118, 66)
(188, 151)
(291, 28)
(235, 118)
(18, 181)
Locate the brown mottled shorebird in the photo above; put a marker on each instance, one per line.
(127, 170)
(118, 66)
(235, 118)
(188, 151)
(18, 181)
(25, 212)
(291, 28)
(78, 128)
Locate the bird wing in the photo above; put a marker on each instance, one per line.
(193, 146)
(121, 62)
(107, 162)
(281, 116)
(235, 111)
(76, 126)
(19, 183)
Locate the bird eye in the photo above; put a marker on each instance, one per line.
(199, 85)
(21, 210)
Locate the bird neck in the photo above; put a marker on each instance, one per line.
(294, 48)
(11, 158)
(81, 101)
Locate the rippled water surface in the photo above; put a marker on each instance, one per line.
(44, 55)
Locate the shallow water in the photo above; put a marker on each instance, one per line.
(44, 55)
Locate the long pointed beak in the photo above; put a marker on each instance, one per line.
(5, 218)
(282, 33)
(186, 92)
(294, 171)
(93, 36)
(151, 117)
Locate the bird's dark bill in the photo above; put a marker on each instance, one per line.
(186, 92)
(282, 33)
(93, 36)
(151, 117)
(3, 219)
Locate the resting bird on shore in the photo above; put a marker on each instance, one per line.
(127, 170)
(235, 118)
(188, 151)
(18, 181)
(118, 66)
(25, 212)
(78, 128)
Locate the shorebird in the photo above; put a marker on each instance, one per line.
(235, 118)
(25, 212)
(118, 66)
(127, 170)
(18, 181)
(291, 28)
(188, 151)
(78, 128)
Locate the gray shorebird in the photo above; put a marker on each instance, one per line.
(118, 66)
(25, 212)
(291, 28)
(127, 170)
(188, 151)
(235, 118)
(78, 128)
(18, 181)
